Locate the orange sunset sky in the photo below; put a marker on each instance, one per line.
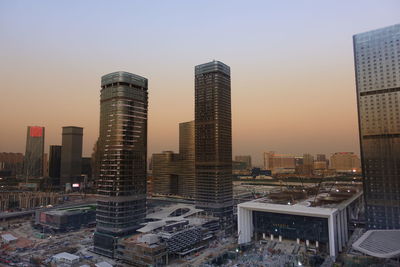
(293, 88)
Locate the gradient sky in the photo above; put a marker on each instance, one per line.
(293, 88)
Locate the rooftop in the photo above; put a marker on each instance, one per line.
(171, 214)
(8, 237)
(379, 243)
(65, 255)
(317, 201)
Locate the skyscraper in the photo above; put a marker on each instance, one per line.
(175, 173)
(213, 139)
(71, 154)
(377, 68)
(34, 152)
(122, 152)
(187, 156)
(55, 163)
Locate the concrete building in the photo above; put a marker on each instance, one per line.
(71, 155)
(345, 162)
(122, 157)
(213, 139)
(34, 152)
(377, 68)
(320, 222)
(143, 250)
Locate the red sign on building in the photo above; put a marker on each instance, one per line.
(36, 131)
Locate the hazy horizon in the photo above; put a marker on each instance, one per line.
(292, 69)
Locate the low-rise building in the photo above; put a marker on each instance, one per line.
(66, 258)
(318, 217)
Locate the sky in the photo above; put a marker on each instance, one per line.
(292, 70)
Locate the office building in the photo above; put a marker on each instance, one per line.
(71, 155)
(213, 139)
(122, 152)
(246, 159)
(308, 164)
(174, 174)
(166, 168)
(55, 164)
(377, 68)
(34, 152)
(187, 154)
(345, 162)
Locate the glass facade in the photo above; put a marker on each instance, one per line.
(377, 57)
(55, 164)
(291, 226)
(122, 154)
(213, 139)
(71, 154)
(174, 173)
(34, 152)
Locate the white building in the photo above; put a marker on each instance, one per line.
(322, 224)
(66, 258)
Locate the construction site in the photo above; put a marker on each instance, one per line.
(23, 200)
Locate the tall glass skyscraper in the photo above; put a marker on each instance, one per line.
(122, 151)
(34, 152)
(377, 57)
(71, 155)
(213, 139)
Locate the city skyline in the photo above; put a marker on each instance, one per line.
(267, 105)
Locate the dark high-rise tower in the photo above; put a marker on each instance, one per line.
(187, 156)
(377, 57)
(213, 139)
(122, 152)
(55, 161)
(71, 154)
(34, 153)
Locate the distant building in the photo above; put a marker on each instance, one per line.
(321, 157)
(279, 163)
(174, 174)
(55, 161)
(320, 165)
(71, 154)
(11, 164)
(345, 162)
(87, 166)
(246, 159)
(34, 153)
(213, 140)
(166, 169)
(45, 165)
(187, 155)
